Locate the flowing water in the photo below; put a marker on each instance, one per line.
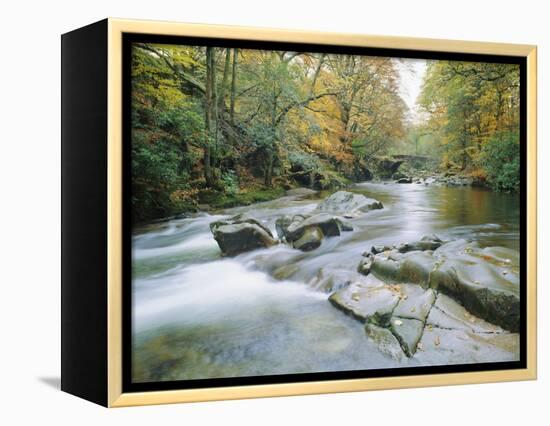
(198, 315)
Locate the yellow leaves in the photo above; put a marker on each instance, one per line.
(184, 195)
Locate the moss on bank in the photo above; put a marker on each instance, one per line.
(220, 200)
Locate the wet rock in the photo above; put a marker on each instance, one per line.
(385, 269)
(484, 281)
(345, 203)
(374, 304)
(404, 180)
(459, 181)
(379, 249)
(244, 218)
(417, 267)
(310, 240)
(328, 224)
(408, 332)
(281, 225)
(385, 340)
(365, 265)
(241, 236)
(482, 289)
(448, 314)
(300, 192)
(306, 232)
(415, 302)
(344, 225)
(429, 242)
(285, 271)
(453, 346)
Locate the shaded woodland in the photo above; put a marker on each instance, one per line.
(219, 127)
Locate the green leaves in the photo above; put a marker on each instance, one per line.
(501, 156)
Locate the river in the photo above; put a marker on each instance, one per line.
(198, 315)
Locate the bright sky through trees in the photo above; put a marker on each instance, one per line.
(411, 74)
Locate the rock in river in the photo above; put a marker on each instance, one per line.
(241, 234)
(485, 281)
(449, 302)
(345, 203)
(404, 180)
(428, 242)
(310, 239)
(367, 303)
(306, 232)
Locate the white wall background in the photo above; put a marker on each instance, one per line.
(30, 200)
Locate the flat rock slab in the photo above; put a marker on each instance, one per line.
(446, 313)
(408, 332)
(386, 341)
(374, 304)
(485, 281)
(443, 346)
(415, 302)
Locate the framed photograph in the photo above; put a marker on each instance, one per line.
(250, 212)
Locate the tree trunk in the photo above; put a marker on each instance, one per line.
(209, 116)
(268, 174)
(232, 97)
(225, 80)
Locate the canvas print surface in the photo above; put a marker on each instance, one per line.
(298, 212)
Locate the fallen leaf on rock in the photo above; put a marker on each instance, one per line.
(437, 342)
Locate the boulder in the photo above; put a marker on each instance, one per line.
(310, 239)
(241, 236)
(244, 218)
(365, 265)
(344, 225)
(328, 224)
(345, 203)
(404, 180)
(306, 232)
